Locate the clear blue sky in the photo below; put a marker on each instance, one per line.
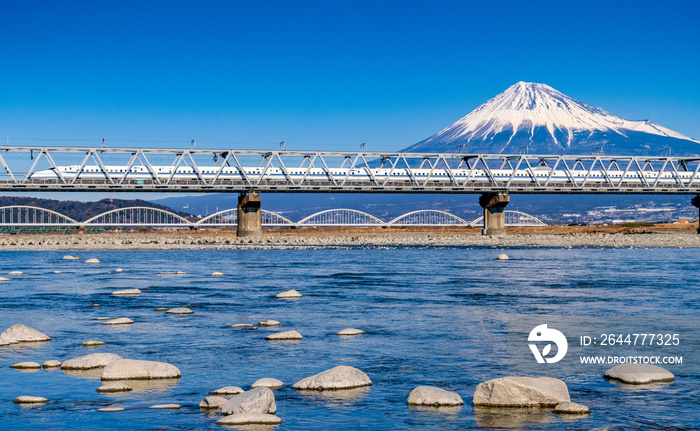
(328, 74)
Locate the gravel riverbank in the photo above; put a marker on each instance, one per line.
(189, 240)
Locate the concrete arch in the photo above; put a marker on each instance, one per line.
(153, 212)
(426, 214)
(514, 218)
(229, 217)
(9, 220)
(348, 217)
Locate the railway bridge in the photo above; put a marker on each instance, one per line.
(251, 172)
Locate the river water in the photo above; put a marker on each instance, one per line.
(448, 317)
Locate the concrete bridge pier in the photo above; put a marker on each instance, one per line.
(249, 216)
(494, 205)
(696, 203)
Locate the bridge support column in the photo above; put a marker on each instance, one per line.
(249, 216)
(494, 205)
(696, 203)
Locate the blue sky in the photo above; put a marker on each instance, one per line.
(329, 74)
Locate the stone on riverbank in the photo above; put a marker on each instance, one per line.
(212, 402)
(521, 392)
(433, 396)
(93, 343)
(290, 294)
(118, 321)
(227, 390)
(29, 400)
(337, 378)
(114, 387)
(569, 408)
(180, 310)
(267, 383)
(22, 334)
(88, 362)
(258, 400)
(126, 292)
(249, 419)
(639, 374)
(26, 366)
(52, 364)
(131, 369)
(350, 331)
(285, 335)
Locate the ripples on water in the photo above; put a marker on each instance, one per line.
(435, 316)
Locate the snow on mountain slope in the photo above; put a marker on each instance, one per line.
(539, 117)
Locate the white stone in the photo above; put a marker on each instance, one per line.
(166, 406)
(521, 392)
(289, 294)
(118, 270)
(93, 260)
(502, 256)
(249, 419)
(52, 364)
(112, 387)
(110, 409)
(69, 257)
(269, 323)
(258, 400)
(118, 321)
(180, 310)
(639, 374)
(217, 274)
(268, 383)
(93, 343)
(26, 366)
(227, 390)
(88, 362)
(243, 325)
(340, 377)
(160, 309)
(350, 331)
(58, 272)
(4, 279)
(435, 397)
(103, 318)
(569, 408)
(212, 402)
(285, 335)
(29, 400)
(126, 292)
(130, 369)
(21, 334)
(15, 273)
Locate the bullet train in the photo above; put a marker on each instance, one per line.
(359, 175)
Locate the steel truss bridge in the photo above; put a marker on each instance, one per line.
(133, 217)
(656, 175)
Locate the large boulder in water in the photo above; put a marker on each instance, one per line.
(21, 334)
(434, 397)
(258, 400)
(131, 369)
(521, 392)
(639, 374)
(88, 362)
(337, 378)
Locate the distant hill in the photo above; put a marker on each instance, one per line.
(537, 119)
(82, 211)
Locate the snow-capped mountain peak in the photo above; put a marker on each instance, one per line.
(520, 116)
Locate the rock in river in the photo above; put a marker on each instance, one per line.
(26, 366)
(639, 374)
(93, 343)
(180, 310)
(212, 402)
(93, 260)
(289, 294)
(521, 392)
(502, 256)
(258, 400)
(126, 292)
(340, 377)
(269, 323)
(227, 390)
(131, 369)
(249, 419)
(114, 387)
(217, 274)
(268, 383)
(88, 362)
(118, 321)
(52, 364)
(569, 408)
(350, 331)
(21, 334)
(435, 397)
(29, 400)
(282, 336)
(69, 257)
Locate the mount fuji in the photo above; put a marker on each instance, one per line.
(537, 119)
